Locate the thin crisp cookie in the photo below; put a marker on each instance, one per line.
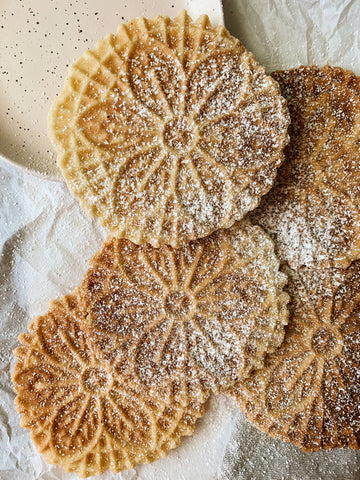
(87, 414)
(205, 313)
(168, 130)
(312, 212)
(308, 393)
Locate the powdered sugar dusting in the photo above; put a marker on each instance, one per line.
(168, 130)
(85, 413)
(205, 313)
(308, 393)
(313, 210)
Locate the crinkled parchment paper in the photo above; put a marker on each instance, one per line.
(46, 242)
(284, 34)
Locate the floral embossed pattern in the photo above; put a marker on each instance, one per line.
(309, 391)
(85, 413)
(204, 314)
(168, 130)
(313, 210)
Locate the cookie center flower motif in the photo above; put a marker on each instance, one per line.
(169, 131)
(96, 380)
(178, 304)
(90, 414)
(325, 343)
(191, 315)
(180, 135)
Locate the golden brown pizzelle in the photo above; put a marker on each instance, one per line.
(308, 392)
(313, 210)
(168, 130)
(85, 413)
(205, 313)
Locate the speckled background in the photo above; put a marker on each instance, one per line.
(46, 241)
(38, 41)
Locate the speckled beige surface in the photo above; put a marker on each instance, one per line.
(38, 42)
(31, 268)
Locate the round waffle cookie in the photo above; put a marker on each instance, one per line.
(309, 391)
(313, 210)
(204, 314)
(86, 414)
(168, 130)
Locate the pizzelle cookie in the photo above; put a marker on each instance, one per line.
(203, 314)
(309, 391)
(168, 130)
(313, 210)
(87, 414)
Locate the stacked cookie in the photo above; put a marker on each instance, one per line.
(309, 390)
(171, 133)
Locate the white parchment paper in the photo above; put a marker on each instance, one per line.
(288, 33)
(285, 34)
(46, 242)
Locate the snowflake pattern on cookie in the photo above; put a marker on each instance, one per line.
(87, 414)
(168, 130)
(205, 313)
(308, 392)
(312, 212)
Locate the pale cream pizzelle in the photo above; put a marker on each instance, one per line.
(308, 392)
(168, 130)
(87, 414)
(205, 313)
(313, 210)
